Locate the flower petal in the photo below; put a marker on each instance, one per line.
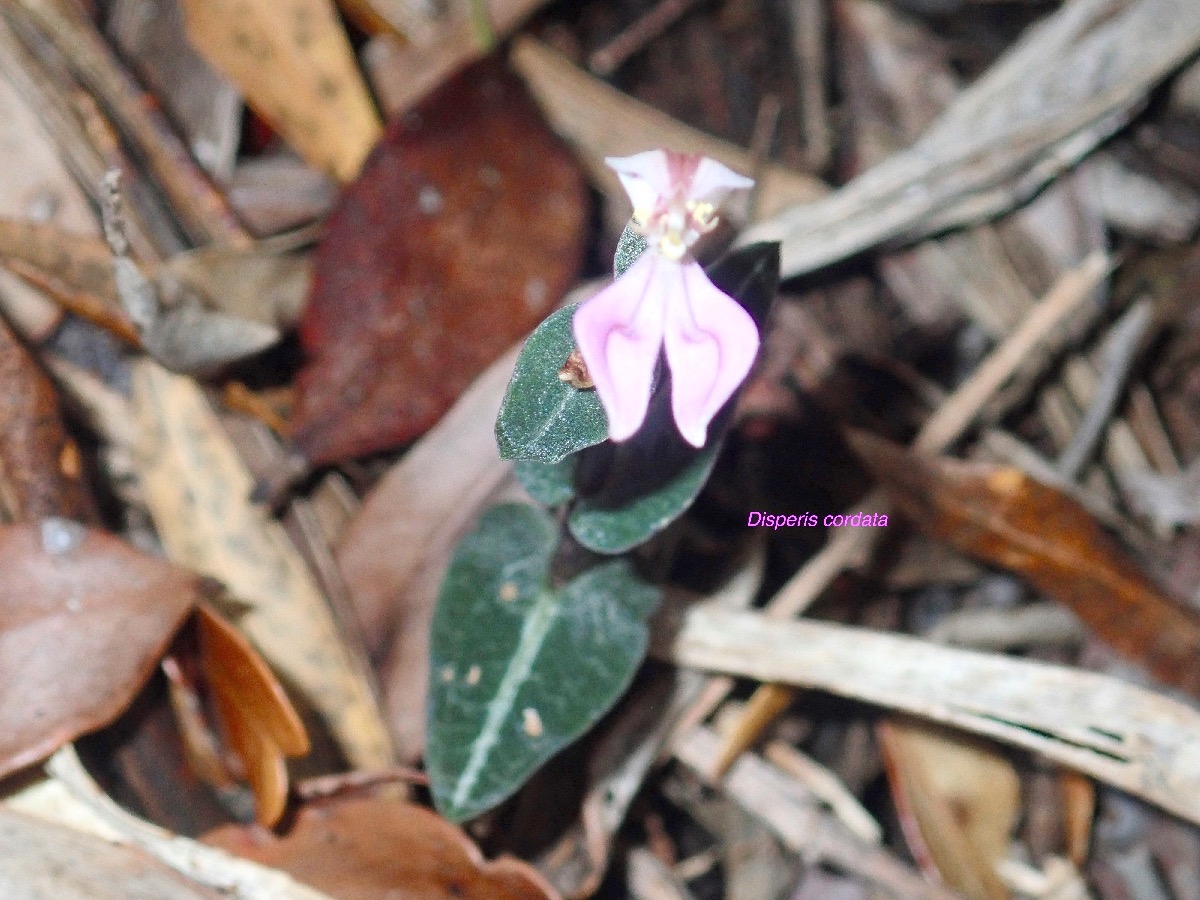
(619, 333)
(711, 343)
(713, 182)
(645, 177)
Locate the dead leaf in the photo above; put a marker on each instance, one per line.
(958, 801)
(598, 121)
(197, 490)
(259, 718)
(40, 859)
(258, 285)
(175, 330)
(40, 464)
(294, 63)
(85, 618)
(1001, 516)
(463, 231)
(379, 849)
(206, 107)
(403, 72)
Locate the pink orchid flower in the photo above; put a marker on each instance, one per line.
(666, 301)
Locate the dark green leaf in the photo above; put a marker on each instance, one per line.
(551, 484)
(542, 417)
(635, 489)
(519, 669)
(629, 248)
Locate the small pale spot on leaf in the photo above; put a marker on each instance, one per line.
(473, 675)
(448, 673)
(508, 591)
(532, 722)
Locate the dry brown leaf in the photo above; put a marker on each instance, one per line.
(599, 121)
(1003, 517)
(41, 466)
(404, 72)
(257, 285)
(39, 859)
(294, 63)
(958, 801)
(197, 489)
(83, 620)
(259, 719)
(380, 849)
(463, 231)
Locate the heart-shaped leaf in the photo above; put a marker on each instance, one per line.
(518, 668)
(543, 417)
(642, 485)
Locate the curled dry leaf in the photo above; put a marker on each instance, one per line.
(259, 720)
(295, 65)
(1001, 516)
(958, 801)
(380, 849)
(83, 619)
(463, 231)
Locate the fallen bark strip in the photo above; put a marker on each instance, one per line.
(1068, 84)
(1127, 736)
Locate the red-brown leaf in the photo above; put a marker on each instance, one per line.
(380, 849)
(83, 620)
(1001, 516)
(464, 229)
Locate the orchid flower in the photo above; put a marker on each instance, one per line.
(665, 300)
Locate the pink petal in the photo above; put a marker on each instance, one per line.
(713, 182)
(619, 333)
(711, 344)
(645, 177)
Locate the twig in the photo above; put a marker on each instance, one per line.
(59, 115)
(616, 52)
(946, 425)
(828, 788)
(238, 878)
(852, 546)
(323, 786)
(1120, 350)
(807, 24)
(201, 208)
(800, 823)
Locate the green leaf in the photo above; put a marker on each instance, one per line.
(629, 248)
(635, 489)
(518, 668)
(653, 479)
(542, 417)
(551, 484)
